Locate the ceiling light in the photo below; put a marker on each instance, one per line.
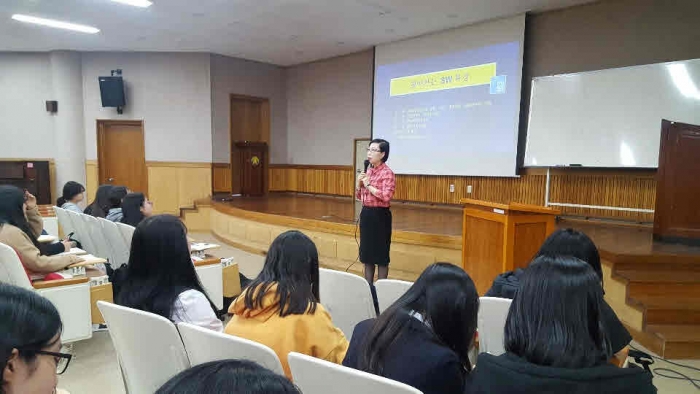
(55, 23)
(135, 3)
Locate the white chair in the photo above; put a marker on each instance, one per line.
(82, 232)
(204, 345)
(390, 290)
(212, 278)
(148, 347)
(127, 232)
(71, 300)
(491, 322)
(316, 376)
(97, 233)
(51, 225)
(64, 221)
(119, 247)
(347, 297)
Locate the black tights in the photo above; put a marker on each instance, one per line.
(383, 272)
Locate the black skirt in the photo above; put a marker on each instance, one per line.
(375, 235)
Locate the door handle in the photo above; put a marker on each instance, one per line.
(110, 180)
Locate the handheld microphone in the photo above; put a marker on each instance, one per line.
(366, 165)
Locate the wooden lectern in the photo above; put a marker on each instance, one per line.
(501, 237)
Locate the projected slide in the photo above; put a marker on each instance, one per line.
(454, 114)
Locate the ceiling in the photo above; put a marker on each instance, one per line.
(282, 32)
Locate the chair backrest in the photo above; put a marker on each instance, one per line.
(120, 249)
(148, 346)
(11, 269)
(316, 376)
(390, 290)
(82, 231)
(104, 249)
(491, 322)
(204, 345)
(127, 232)
(64, 221)
(347, 297)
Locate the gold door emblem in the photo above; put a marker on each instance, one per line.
(255, 161)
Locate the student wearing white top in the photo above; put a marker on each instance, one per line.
(72, 196)
(161, 278)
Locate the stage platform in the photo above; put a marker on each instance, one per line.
(653, 287)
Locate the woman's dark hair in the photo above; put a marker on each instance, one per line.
(228, 377)
(383, 147)
(70, 190)
(12, 211)
(291, 264)
(28, 323)
(569, 242)
(116, 195)
(99, 206)
(555, 317)
(445, 297)
(131, 208)
(160, 267)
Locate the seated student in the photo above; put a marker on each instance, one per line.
(555, 339)
(116, 196)
(569, 242)
(72, 196)
(423, 339)
(30, 342)
(228, 377)
(135, 208)
(280, 308)
(100, 205)
(160, 277)
(20, 225)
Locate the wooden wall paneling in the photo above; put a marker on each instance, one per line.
(92, 180)
(221, 178)
(175, 185)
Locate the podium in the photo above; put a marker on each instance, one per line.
(501, 237)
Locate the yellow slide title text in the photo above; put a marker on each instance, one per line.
(443, 80)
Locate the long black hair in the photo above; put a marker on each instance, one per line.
(131, 208)
(570, 242)
(228, 377)
(12, 211)
(100, 205)
(28, 323)
(446, 298)
(160, 267)
(70, 190)
(555, 317)
(116, 196)
(291, 264)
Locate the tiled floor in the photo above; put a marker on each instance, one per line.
(94, 368)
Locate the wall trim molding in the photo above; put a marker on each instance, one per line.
(312, 167)
(179, 164)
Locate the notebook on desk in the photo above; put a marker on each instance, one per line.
(45, 238)
(88, 259)
(75, 251)
(202, 246)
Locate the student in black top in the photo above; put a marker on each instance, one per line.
(135, 208)
(569, 242)
(555, 338)
(100, 205)
(423, 339)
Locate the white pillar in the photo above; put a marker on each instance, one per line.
(69, 130)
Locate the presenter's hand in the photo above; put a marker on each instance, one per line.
(360, 178)
(365, 180)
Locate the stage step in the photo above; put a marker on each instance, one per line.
(678, 341)
(667, 283)
(662, 310)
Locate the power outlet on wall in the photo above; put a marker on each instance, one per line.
(452, 188)
(469, 189)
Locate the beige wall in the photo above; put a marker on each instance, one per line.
(26, 129)
(329, 103)
(170, 92)
(230, 75)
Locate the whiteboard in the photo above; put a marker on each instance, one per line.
(609, 118)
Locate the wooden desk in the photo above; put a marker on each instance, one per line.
(501, 237)
(231, 278)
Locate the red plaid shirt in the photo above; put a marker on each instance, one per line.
(382, 178)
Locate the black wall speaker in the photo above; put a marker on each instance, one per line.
(52, 106)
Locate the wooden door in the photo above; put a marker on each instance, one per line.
(121, 154)
(253, 168)
(677, 216)
(249, 123)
